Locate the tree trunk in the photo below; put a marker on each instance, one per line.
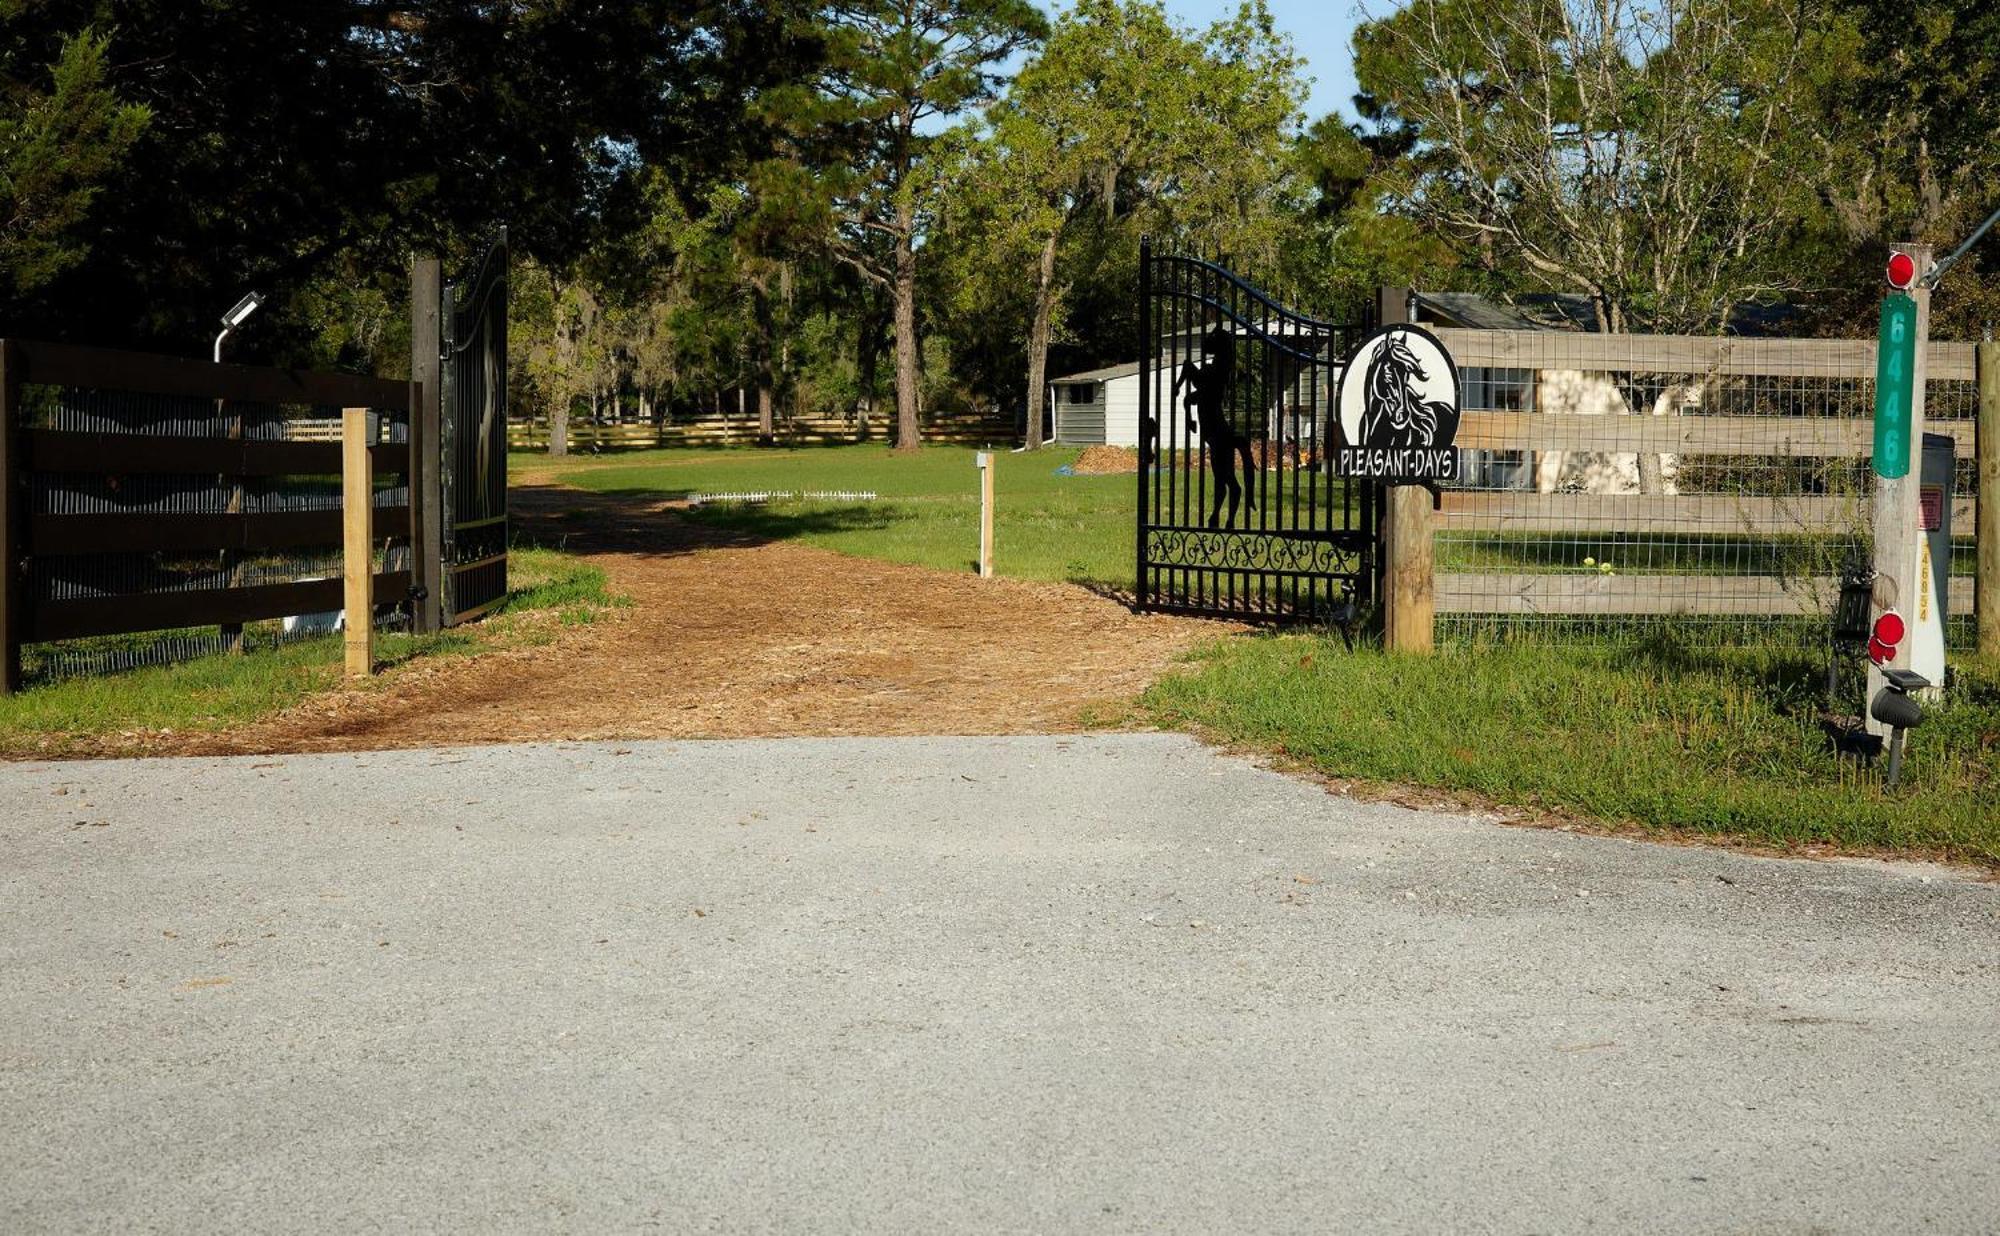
(763, 350)
(559, 425)
(867, 359)
(907, 371)
(1038, 345)
(1652, 470)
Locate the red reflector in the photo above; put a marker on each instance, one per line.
(1930, 504)
(1889, 629)
(1880, 653)
(1902, 271)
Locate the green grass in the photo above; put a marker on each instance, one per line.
(1046, 526)
(1679, 732)
(1668, 736)
(1077, 528)
(216, 692)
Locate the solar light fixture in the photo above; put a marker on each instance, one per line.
(242, 310)
(238, 314)
(1896, 706)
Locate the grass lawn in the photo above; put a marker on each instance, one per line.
(1696, 735)
(1075, 528)
(1708, 740)
(1046, 525)
(546, 591)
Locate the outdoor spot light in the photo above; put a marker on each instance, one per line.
(1850, 617)
(238, 314)
(1895, 707)
(242, 310)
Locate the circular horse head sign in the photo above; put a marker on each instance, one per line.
(1399, 402)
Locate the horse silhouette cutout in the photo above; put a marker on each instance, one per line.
(1396, 413)
(1208, 415)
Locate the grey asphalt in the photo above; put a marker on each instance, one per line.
(1098, 984)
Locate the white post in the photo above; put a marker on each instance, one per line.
(1898, 468)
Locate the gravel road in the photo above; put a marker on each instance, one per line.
(1109, 984)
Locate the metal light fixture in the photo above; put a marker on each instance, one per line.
(237, 315)
(1896, 707)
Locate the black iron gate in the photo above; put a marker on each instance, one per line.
(1239, 513)
(472, 437)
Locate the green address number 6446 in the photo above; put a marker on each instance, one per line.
(1895, 366)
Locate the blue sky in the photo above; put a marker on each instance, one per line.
(1321, 30)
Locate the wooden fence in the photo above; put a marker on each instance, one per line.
(958, 430)
(36, 455)
(1764, 442)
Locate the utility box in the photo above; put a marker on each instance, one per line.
(1933, 602)
(1934, 512)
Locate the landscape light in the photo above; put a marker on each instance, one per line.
(1895, 706)
(238, 314)
(242, 310)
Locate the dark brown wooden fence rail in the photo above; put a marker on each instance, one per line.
(28, 451)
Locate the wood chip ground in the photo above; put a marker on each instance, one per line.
(728, 636)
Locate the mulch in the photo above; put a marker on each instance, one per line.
(1106, 461)
(729, 637)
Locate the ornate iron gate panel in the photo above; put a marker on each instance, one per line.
(1239, 513)
(472, 437)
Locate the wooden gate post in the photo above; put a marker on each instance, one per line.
(357, 524)
(1897, 464)
(1986, 582)
(426, 497)
(1409, 603)
(13, 522)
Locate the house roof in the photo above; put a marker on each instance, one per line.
(1099, 375)
(1553, 311)
(1570, 311)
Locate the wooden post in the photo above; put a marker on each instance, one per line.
(1986, 582)
(357, 507)
(984, 460)
(1896, 522)
(426, 498)
(231, 560)
(1409, 603)
(13, 525)
(1410, 618)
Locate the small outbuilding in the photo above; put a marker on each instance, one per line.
(1097, 408)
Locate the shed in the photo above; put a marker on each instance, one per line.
(1099, 407)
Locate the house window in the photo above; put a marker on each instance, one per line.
(1083, 392)
(1498, 390)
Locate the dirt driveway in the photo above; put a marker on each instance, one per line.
(732, 637)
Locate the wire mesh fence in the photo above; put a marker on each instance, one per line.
(1613, 484)
(111, 419)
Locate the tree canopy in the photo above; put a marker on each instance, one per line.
(838, 206)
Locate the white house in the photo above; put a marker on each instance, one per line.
(1567, 392)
